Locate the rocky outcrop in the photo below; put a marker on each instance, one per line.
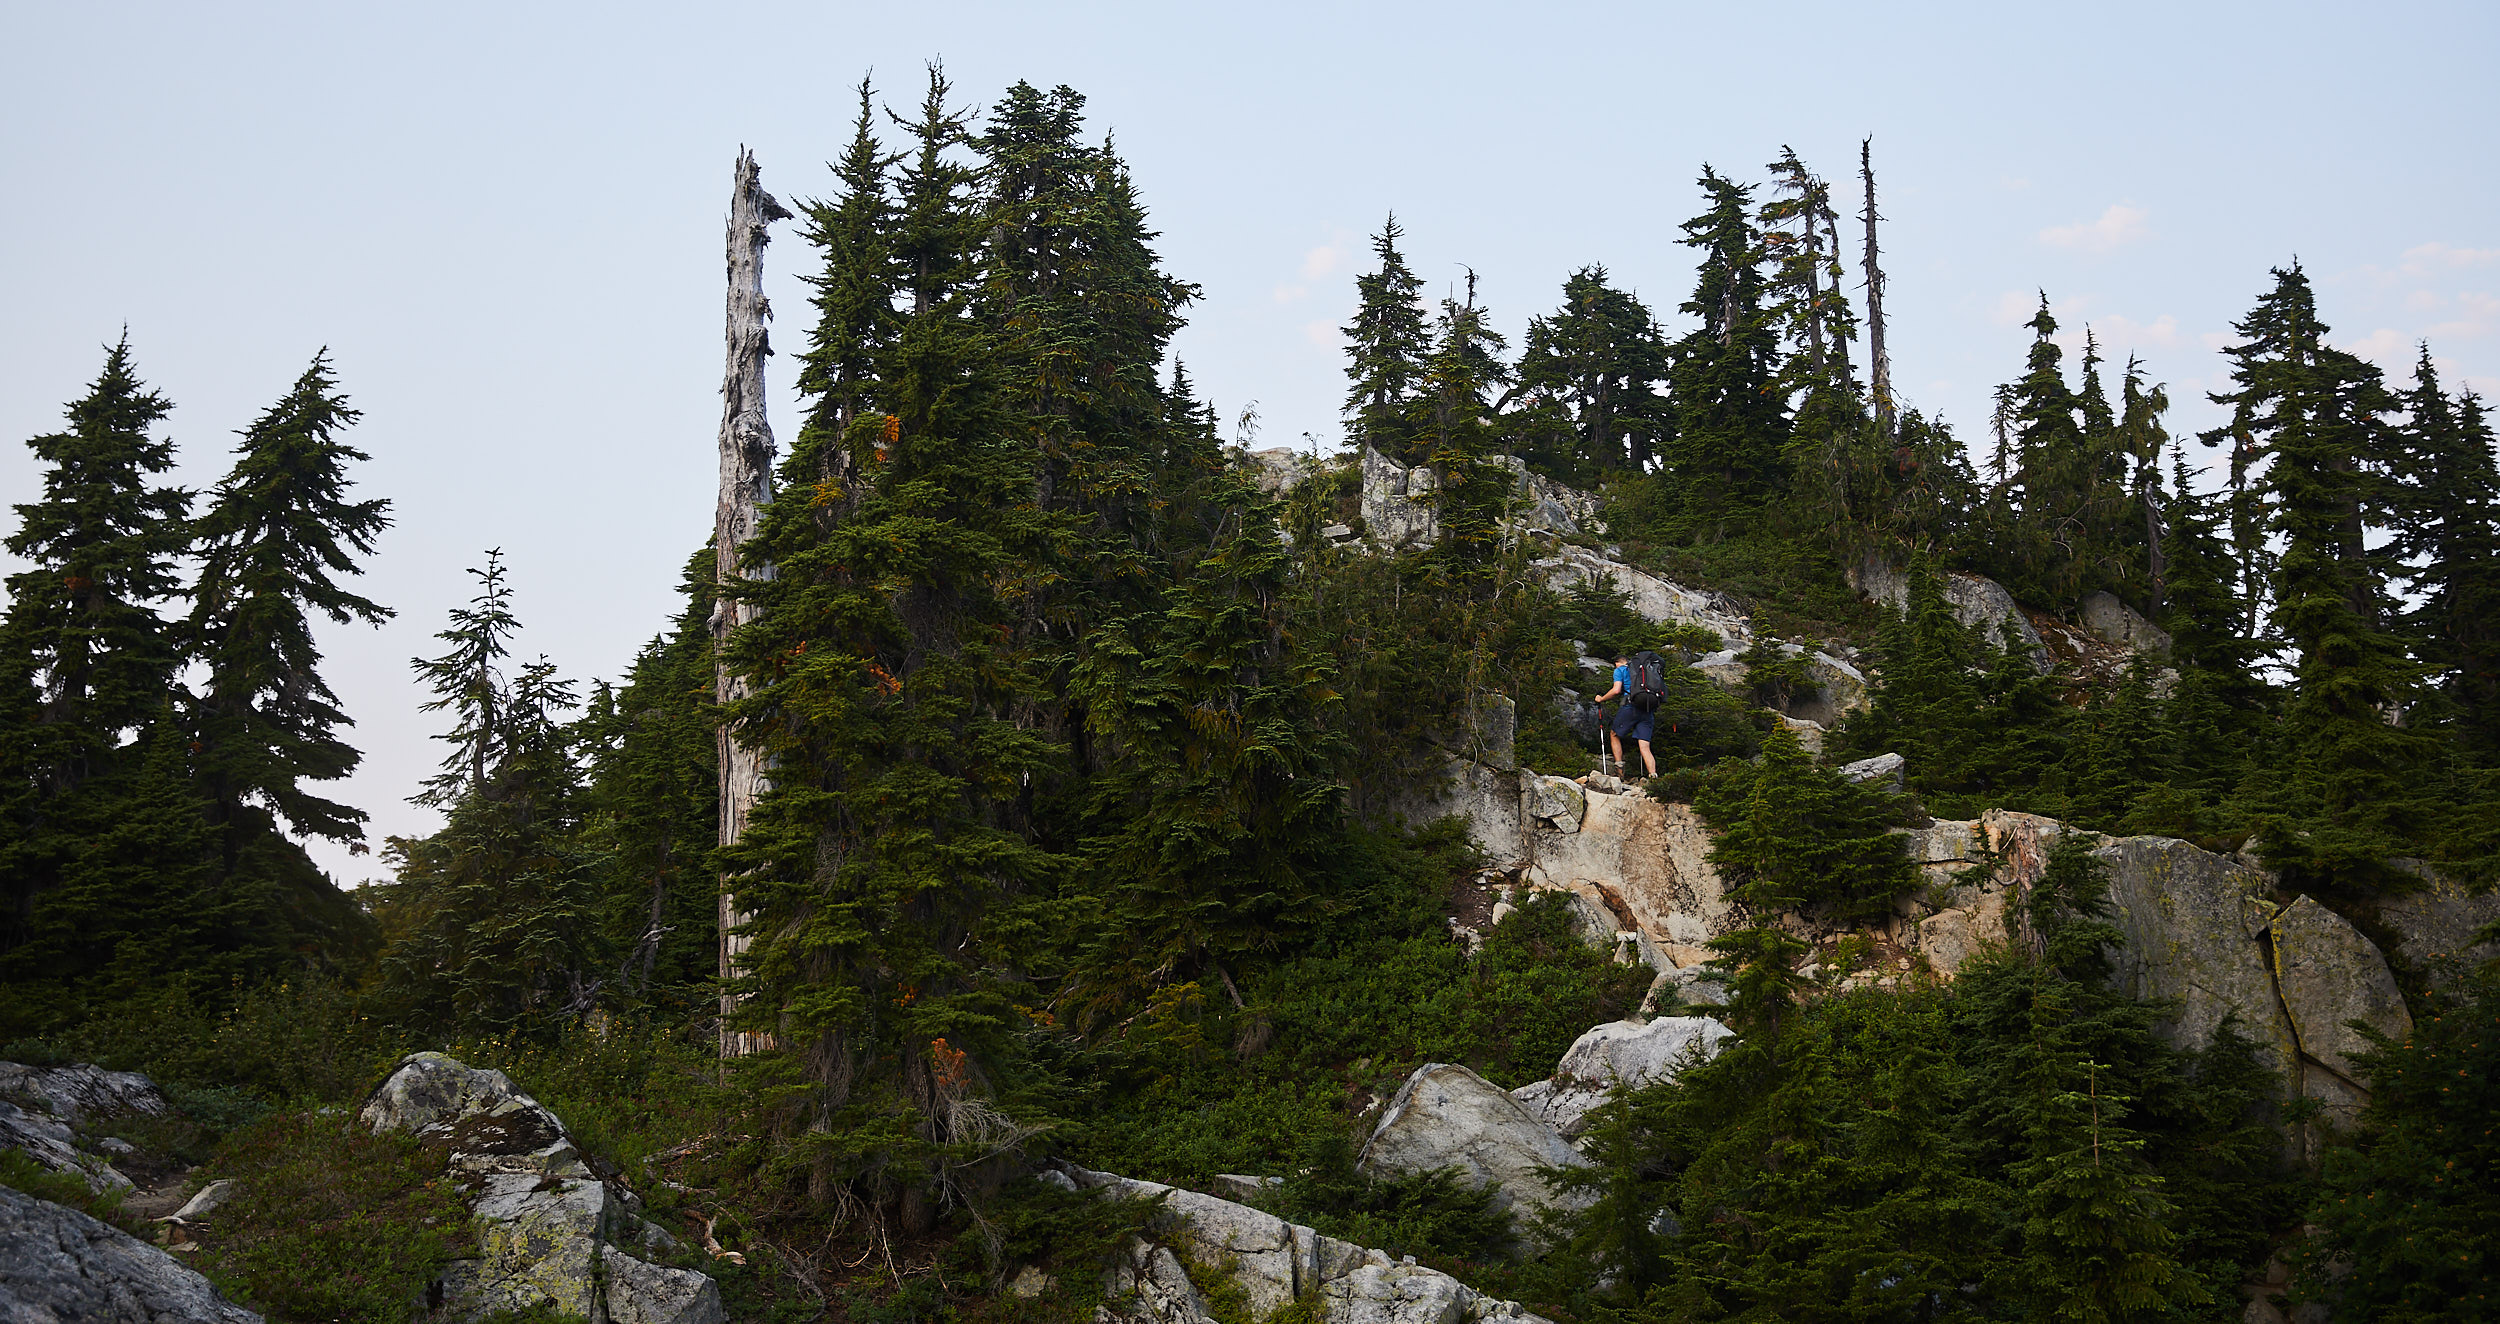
(2434, 926)
(50, 1142)
(1486, 799)
(1397, 502)
(1810, 735)
(1657, 600)
(1276, 468)
(1446, 1116)
(56, 1101)
(1579, 715)
(1838, 690)
(1618, 1055)
(2331, 977)
(551, 1233)
(1891, 771)
(57, 1264)
(1981, 604)
(74, 1092)
(1648, 859)
(2114, 622)
(1274, 1263)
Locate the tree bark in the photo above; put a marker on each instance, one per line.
(1880, 370)
(746, 467)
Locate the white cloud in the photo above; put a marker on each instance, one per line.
(1322, 333)
(2387, 347)
(2015, 307)
(1318, 264)
(2120, 224)
(2121, 334)
(2422, 259)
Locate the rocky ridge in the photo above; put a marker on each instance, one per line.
(57, 1264)
(553, 1234)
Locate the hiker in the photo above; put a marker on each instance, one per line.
(1631, 718)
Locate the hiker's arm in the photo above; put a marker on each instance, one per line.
(1617, 689)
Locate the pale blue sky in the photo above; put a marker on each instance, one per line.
(505, 220)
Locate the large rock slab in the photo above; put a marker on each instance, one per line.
(2434, 926)
(1659, 601)
(74, 1092)
(1274, 1263)
(1618, 1055)
(2330, 975)
(1649, 858)
(50, 1142)
(1446, 1116)
(1981, 604)
(1485, 799)
(551, 1233)
(57, 1264)
(2114, 622)
(1397, 503)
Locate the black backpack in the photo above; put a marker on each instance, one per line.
(1648, 686)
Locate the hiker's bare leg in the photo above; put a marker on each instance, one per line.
(1617, 741)
(1648, 759)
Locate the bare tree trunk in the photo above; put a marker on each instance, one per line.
(1880, 370)
(746, 467)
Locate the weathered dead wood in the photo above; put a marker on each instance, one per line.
(746, 469)
(1879, 371)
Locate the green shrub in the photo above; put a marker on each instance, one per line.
(329, 1222)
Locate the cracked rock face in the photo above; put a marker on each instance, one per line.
(57, 1264)
(1275, 1264)
(1446, 1116)
(84, 1090)
(2330, 975)
(1627, 1054)
(550, 1232)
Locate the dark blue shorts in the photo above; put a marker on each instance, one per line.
(1633, 724)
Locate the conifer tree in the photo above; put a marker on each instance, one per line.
(493, 921)
(2450, 532)
(89, 663)
(650, 806)
(102, 543)
(277, 533)
(1218, 810)
(1082, 307)
(1927, 709)
(899, 704)
(854, 301)
(2066, 509)
(1456, 421)
(1731, 425)
(2313, 416)
(1801, 835)
(1598, 358)
(2096, 1245)
(1386, 345)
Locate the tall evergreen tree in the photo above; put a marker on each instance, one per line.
(1731, 425)
(102, 543)
(2449, 531)
(89, 663)
(650, 807)
(2314, 417)
(1599, 359)
(278, 532)
(898, 701)
(1386, 345)
(493, 921)
(855, 314)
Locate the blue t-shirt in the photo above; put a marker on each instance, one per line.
(1623, 677)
